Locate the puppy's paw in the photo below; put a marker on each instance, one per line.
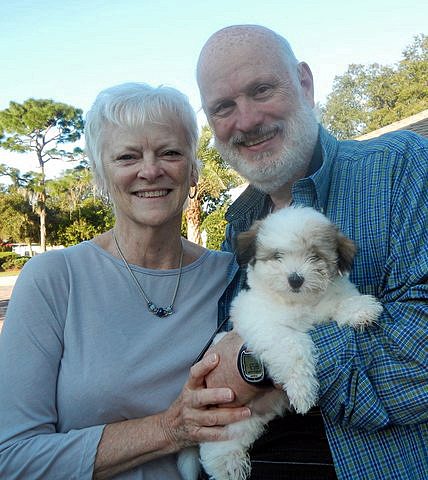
(362, 311)
(235, 465)
(302, 393)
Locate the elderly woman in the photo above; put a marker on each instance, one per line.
(100, 337)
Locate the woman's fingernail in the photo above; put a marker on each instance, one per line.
(212, 358)
(229, 395)
(246, 412)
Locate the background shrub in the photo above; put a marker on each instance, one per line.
(215, 226)
(11, 261)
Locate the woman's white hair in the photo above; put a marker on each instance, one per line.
(132, 105)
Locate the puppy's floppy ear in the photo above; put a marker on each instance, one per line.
(346, 250)
(246, 245)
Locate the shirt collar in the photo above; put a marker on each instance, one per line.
(321, 176)
(316, 161)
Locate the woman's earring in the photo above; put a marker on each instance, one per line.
(193, 194)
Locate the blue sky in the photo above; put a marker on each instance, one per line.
(70, 50)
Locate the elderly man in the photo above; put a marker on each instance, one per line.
(374, 384)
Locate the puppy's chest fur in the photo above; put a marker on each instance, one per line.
(254, 311)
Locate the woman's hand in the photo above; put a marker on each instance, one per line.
(194, 417)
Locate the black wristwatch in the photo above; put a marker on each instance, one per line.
(252, 369)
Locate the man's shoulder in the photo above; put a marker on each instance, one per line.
(249, 199)
(251, 205)
(399, 142)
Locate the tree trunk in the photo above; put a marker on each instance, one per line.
(43, 227)
(30, 247)
(42, 205)
(193, 218)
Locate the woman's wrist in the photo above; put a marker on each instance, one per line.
(128, 444)
(168, 425)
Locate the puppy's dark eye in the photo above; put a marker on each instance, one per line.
(277, 256)
(313, 258)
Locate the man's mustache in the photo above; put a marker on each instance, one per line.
(255, 135)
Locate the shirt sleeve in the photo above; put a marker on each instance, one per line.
(31, 346)
(379, 377)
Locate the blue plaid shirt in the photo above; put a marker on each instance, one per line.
(373, 384)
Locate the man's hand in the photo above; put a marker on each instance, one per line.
(226, 373)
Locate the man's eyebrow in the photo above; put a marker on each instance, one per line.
(260, 81)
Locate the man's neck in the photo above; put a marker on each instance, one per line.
(281, 199)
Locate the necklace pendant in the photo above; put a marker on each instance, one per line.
(159, 311)
(164, 312)
(154, 309)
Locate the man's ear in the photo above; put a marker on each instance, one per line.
(246, 245)
(306, 83)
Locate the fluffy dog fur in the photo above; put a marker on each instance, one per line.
(297, 276)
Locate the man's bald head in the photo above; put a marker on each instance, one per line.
(236, 41)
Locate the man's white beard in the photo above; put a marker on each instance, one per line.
(269, 173)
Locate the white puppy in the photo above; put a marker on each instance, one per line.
(297, 276)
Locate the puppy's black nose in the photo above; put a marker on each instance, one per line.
(295, 280)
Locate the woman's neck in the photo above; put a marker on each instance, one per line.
(149, 248)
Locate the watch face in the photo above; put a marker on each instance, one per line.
(252, 367)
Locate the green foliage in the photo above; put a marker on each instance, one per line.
(76, 232)
(215, 226)
(11, 261)
(366, 98)
(71, 189)
(35, 124)
(40, 127)
(18, 222)
(74, 211)
(92, 218)
(183, 229)
(13, 173)
(216, 177)
(6, 255)
(14, 263)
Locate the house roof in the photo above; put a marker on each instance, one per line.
(417, 123)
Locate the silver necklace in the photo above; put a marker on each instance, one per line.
(153, 308)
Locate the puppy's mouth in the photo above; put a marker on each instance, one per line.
(151, 193)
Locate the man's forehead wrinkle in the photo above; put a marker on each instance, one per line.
(232, 39)
(228, 47)
(233, 42)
